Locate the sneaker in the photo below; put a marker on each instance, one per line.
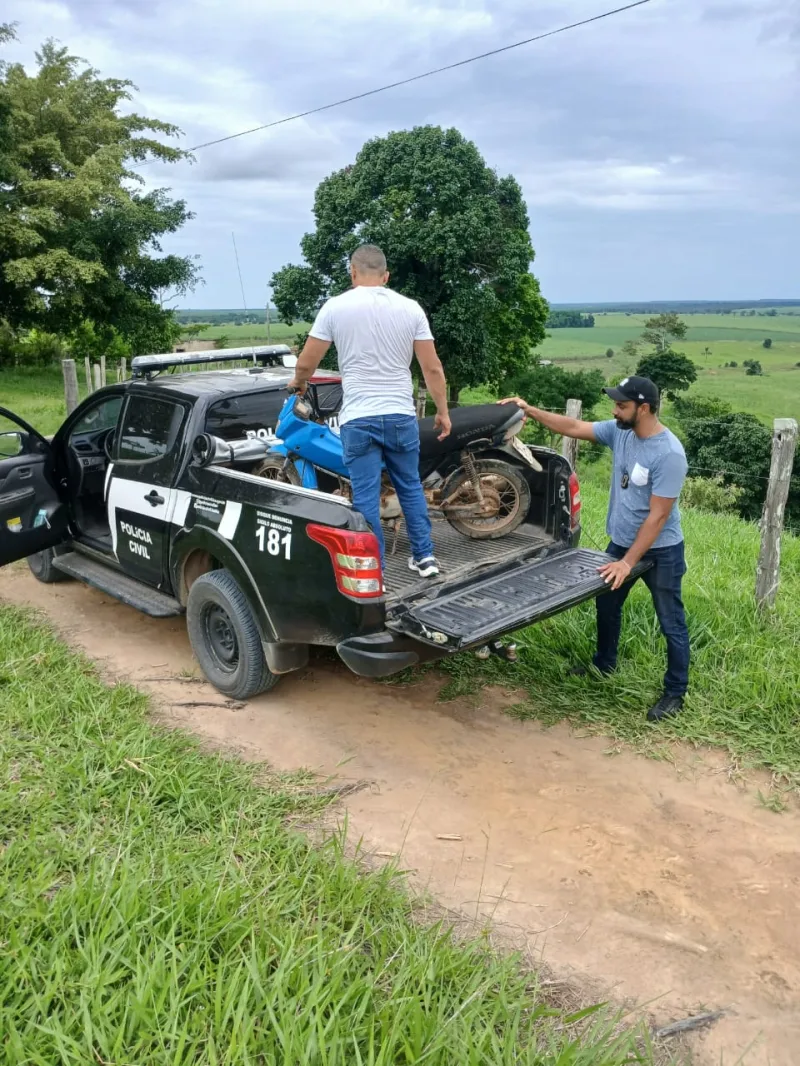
(427, 567)
(582, 670)
(667, 707)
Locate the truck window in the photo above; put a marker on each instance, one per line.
(150, 428)
(253, 414)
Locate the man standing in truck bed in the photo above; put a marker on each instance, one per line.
(643, 524)
(377, 332)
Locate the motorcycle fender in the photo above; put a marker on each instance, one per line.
(526, 458)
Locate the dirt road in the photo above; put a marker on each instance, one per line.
(666, 886)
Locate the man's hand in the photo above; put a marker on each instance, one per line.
(614, 574)
(519, 402)
(443, 423)
(297, 385)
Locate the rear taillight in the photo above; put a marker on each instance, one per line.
(574, 503)
(356, 560)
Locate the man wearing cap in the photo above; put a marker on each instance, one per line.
(643, 523)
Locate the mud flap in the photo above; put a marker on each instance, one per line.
(481, 610)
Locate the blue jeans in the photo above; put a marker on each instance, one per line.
(664, 581)
(367, 444)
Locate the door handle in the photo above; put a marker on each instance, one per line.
(153, 498)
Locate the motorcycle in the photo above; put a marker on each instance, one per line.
(483, 498)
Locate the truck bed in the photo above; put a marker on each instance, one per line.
(457, 555)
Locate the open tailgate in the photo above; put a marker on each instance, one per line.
(480, 609)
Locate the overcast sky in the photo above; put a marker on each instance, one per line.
(658, 151)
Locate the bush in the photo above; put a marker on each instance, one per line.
(710, 494)
(38, 348)
(732, 363)
(609, 353)
(8, 346)
(754, 368)
(767, 343)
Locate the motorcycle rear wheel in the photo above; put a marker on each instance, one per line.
(497, 479)
(276, 468)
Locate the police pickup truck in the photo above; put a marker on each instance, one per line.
(128, 498)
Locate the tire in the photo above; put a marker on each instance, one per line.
(515, 497)
(42, 567)
(225, 637)
(276, 468)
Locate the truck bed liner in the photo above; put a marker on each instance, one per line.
(458, 555)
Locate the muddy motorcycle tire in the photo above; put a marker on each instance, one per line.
(496, 477)
(276, 468)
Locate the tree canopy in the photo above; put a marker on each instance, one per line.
(455, 237)
(671, 371)
(79, 237)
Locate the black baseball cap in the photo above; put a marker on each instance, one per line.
(642, 390)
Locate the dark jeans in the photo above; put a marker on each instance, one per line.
(367, 444)
(664, 581)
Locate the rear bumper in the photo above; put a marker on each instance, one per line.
(385, 653)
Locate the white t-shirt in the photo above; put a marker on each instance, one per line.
(374, 330)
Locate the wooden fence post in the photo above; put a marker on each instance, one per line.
(70, 384)
(784, 440)
(102, 371)
(122, 374)
(421, 399)
(569, 445)
(96, 376)
(88, 368)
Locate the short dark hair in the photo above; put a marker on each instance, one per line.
(369, 259)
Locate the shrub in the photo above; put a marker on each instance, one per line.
(38, 348)
(754, 369)
(732, 363)
(8, 346)
(710, 494)
(609, 353)
(767, 343)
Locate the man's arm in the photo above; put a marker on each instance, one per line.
(567, 427)
(614, 574)
(311, 356)
(433, 372)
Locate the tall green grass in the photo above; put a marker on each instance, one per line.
(745, 679)
(156, 907)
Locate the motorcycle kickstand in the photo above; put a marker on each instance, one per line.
(508, 652)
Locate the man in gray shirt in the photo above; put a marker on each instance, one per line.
(643, 524)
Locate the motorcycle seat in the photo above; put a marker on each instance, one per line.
(485, 420)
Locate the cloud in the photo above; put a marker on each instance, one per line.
(677, 117)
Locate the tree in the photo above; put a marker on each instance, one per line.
(662, 330)
(551, 386)
(456, 239)
(767, 342)
(609, 353)
(737, 448)
(79, 239)
(754, 368)
(671, 371)
(222, 341)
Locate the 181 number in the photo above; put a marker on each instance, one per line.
(271, 541)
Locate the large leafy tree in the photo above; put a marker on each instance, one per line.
(456, 238)
(671, 371)
(79, 236)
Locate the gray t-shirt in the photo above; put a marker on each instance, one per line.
(655, 466)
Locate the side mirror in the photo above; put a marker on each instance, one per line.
(12, 444)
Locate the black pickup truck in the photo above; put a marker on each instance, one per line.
(122, 499)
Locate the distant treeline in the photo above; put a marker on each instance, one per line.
(573, 319)
(683, 307)
(225, 317)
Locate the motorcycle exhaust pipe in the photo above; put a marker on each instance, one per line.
(208, 450)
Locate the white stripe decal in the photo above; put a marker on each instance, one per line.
(230, 520)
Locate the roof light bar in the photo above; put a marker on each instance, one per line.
(142, 366)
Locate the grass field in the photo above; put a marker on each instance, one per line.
(157, 907)
(745, 672)
(774, 395)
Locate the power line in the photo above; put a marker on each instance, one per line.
(409, 81)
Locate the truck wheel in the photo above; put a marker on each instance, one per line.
(42, 568)
(225, 638)
(504, 485)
